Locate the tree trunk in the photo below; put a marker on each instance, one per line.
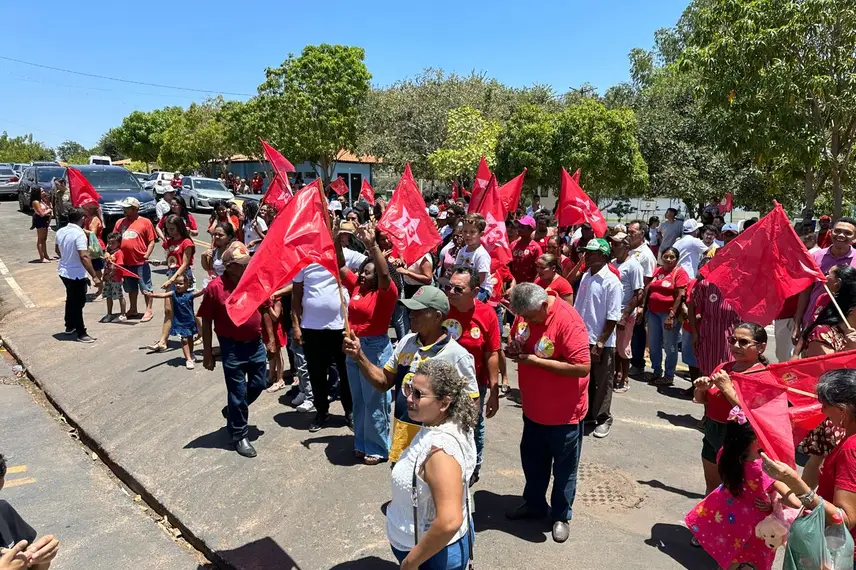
(810, 195)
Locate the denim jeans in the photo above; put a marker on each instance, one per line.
(660, 339)
(299, 364)
(479, 431)
(544, 448)
(245, 368)
(455, 556)
(400, 322)
(371, 407)
(637, 345)
(687, 354)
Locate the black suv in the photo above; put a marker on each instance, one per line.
(37, 177)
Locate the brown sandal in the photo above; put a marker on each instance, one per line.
(373, 460)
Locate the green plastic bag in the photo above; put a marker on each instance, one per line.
(95, 251)
(807, 546)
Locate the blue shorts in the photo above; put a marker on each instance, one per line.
(144, 283)
(98, 264)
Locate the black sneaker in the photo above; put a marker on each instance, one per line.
(349, 420)
(525, 511)
(69, 332)
(86, 338)
(319, 422)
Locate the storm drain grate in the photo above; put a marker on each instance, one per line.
(599, 485)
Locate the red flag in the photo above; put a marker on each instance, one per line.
(764, 401)
(455, 191)
(726, 204)
(81, 190)
(575, 207)
(123, 272)
(280, 164)
(576, 176)
(277, 194)
(495, 238)
(763, 266)
(479, 185)
(299, 236)
(405, 221)
(367, 192)
(339, 186)
(510, 192)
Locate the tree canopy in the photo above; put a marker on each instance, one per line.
(23, 149)
(469, 136)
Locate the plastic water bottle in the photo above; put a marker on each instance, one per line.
(835, 540)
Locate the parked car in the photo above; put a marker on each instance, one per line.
(46, 163)
(200, 193)
(37, 177)
(19, 168)
(114, 184)
(8, 181)
(158, 182)
(141, 177)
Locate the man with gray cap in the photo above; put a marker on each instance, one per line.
(138, 242)
(428, 307)
(690, 248)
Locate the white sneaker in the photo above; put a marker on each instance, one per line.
(299, 399)
(190, 365)
(306, 406)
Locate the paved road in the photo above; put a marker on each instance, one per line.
(304, 502)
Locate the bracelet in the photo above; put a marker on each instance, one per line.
(807, 498)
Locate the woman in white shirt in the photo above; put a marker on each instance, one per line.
(416, 275)
(437, 466)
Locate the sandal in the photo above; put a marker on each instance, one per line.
(156, 347)
(621, 389)
(120, 319)
(146, 317)
(359, 454)
(373, 460)
(276, 387)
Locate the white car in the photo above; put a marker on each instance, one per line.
(158, 182)
(201, 193)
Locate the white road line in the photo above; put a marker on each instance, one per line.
(655, 425)
(15, 287)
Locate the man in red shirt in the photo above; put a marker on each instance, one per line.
(241, 349)
(475, 326)
(525, 252)
(138, 242)
(550, 344)
(824, 235)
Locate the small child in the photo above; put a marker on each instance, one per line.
(113, 279)
(183, 315)
(473, 254)
(274, 338)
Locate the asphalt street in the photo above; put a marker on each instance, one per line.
(304, 502)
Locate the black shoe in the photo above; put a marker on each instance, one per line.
(69, 332)
(293, 392)
(525, 511)
(349, 420)
(561, 531)
(245, 448)
(474, 478)
(225, 412)
(319, 422)
(86, 338)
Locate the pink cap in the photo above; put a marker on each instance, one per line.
(527, 221)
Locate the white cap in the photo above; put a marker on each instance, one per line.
(130, 202)
(335, 205)
(690, 226)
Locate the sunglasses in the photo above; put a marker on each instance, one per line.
(741, 342)
(456, 289)
(408, 390)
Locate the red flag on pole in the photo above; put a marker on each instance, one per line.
(765, 402)
(280, 164)
(455, 191)
(495, 238)
(510, 192)
(277, 194)
(339, 186)
(82, 192)
(575, 207)
(123, 272)
(299, 236)
(576, 176)
(726, 204)
(763, 266)
(406, 222)
(479, 185)
(367, 192)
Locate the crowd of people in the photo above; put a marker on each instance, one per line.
(579, 315)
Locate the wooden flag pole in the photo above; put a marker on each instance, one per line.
(802, 393)
(837, 306)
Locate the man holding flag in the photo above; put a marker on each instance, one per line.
(72, 247)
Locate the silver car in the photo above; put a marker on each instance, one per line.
(201, 193)
(8, 181)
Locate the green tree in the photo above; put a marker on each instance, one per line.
(197, 138)
(23, 149)
(468, 138)
(141, 134)
(70, 148)
(107, 146)
(524, 142)
(308, 107)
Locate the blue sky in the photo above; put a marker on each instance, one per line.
(225, 46)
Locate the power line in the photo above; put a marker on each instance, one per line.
(125, 80)
(123, 92)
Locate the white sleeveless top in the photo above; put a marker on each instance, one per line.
(399, 514)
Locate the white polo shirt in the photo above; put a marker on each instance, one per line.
(71, 240)
(691, 249)
(599, 300)
(646, 259)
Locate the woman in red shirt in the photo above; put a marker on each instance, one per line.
(179, 208)
(717, 393)
(664, 295)
(373, 299)
(554, 246)
(550, 277)
(179, 261)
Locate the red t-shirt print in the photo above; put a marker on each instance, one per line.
(136, 237)
(478, 332)
(662, 288)
(370, 314)
(523, 260)
(175, 249)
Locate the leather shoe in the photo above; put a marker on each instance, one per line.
(245, 448)
(525, 511)
(561, 531)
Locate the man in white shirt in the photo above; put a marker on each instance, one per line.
(670, 230)
(164, 205)
(72, 247)
(598, 302)
(636, 232)
(632, 285)
(690, 248)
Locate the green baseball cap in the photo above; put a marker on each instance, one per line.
(428, 297)
(598, 244)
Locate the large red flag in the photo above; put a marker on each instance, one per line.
(277, 194)
(763, 266)
(123, 272)
(406, 222)
(575, 207)
(495, 238)
(339, 186)
(82, 192)
(727, 203)
(765, 402)
(367, 192)
(298, 236)
(479, 185)
(510, 192)
(280, 164)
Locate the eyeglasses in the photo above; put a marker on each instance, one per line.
(408, 390)
(741, 342)
(456, 289)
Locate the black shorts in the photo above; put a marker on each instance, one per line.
(714, 436)
(98, 264)
(41, 221)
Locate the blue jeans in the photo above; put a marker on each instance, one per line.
(479, 431)
(660, 339)
(144, 282)
(371, 407)
(637, 346)
(544, 448)
(300, 367)
(687, 354)
(455, 556)
(245, 368)
(400, 321)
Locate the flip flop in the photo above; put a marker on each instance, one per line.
(156, 347)
(146, 318)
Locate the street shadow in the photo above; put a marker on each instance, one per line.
(384, 507)
(220, 439)
(676, 392)
(294, 420)
(177, 362)
(674, 541)
(655, 484)
(64, 337)
(339, 450)
(513, 396)
(489, 514)
(263, 554)
(367, 563)
(680, 420)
